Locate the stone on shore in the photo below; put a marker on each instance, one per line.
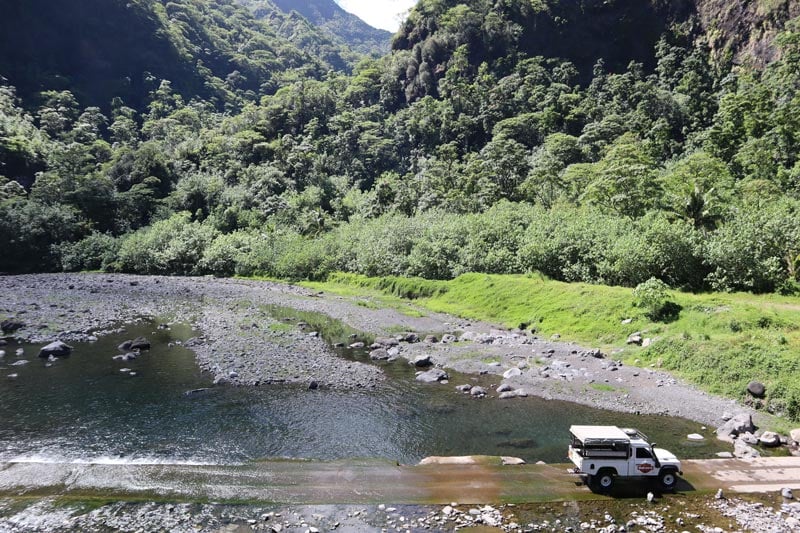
(432, 376)
(422, 361)
(10, 325)
(737, 425)
(379, 355)
(56, 349)
(770, 439)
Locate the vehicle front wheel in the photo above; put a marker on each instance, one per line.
(604, 481)
(668, 479)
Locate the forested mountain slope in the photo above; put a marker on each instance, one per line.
(100, 49)
(327, 14)
(606, 142)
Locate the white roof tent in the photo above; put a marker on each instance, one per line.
(599, 434)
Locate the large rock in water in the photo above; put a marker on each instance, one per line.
(55, 349)
(432, 376)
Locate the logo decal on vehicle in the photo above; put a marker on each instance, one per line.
(644, 468)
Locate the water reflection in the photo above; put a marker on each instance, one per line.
(84, 408)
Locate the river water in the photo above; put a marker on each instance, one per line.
(85, 408)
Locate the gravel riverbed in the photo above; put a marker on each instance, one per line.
(240, 343)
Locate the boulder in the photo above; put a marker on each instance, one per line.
(356, 345)
(743, 450)
(748, 438)
(432, 376)
(737, 425)
(511, 373)
(393, 352)
(695, 436)
(634, 338)
(770, 439)
(521, 393)
(464, 388)
(504, 387)
(756, 389)
(422, 361)
(787, 493)
(56, 349)
(10, 325)
(431, 339)
(140, 343)
(795, 434)
(477, 391)
(387, 341)
(508, 395)
(410, 338)
(379, 355)
(449, 339)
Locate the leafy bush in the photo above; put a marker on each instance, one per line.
(651, 295)
(28, 229)
(172, 246)
(98, 251)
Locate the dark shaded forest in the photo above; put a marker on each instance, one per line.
(607, 142)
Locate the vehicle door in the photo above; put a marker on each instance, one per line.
(643, 462)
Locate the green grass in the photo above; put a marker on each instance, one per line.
(719, 341)
(603, 387)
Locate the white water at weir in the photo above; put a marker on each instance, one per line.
(84, 410)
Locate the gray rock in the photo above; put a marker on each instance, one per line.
(521, 393)
(386, 341)
(422, 361)
(770, 439)
(410, 338)
(393, 352)
(512, 372)
(56, 349)
(743, 450)
(11, 325)
(748, 438)
(737, 425)
(432, 376)
(140, 343)
(477, 391)
(787, 493)
(756, 389)
(379, 355)
(448, 339)
(634, 338)
(795, 435)
(504, 387)
(508, 395)
(431, 339)
(464, 388)
(356, 345)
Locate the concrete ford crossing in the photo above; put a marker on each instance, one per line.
(602, 453)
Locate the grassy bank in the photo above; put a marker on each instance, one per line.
(720, 341)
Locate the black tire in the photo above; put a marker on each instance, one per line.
(604, 480)
(668, 479)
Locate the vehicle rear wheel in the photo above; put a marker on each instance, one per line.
(604, 480)
(668, 479)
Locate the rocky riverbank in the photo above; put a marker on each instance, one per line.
(702, 513)
(240, 342)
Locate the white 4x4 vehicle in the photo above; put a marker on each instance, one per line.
(603, 452)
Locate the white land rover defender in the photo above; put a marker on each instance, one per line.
(603, 452)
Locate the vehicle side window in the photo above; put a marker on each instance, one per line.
(643, 453)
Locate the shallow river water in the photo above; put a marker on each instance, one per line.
(85, 408)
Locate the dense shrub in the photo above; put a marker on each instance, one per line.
(28, 229)
(757, 249)
(172, 246)
(98, 251)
